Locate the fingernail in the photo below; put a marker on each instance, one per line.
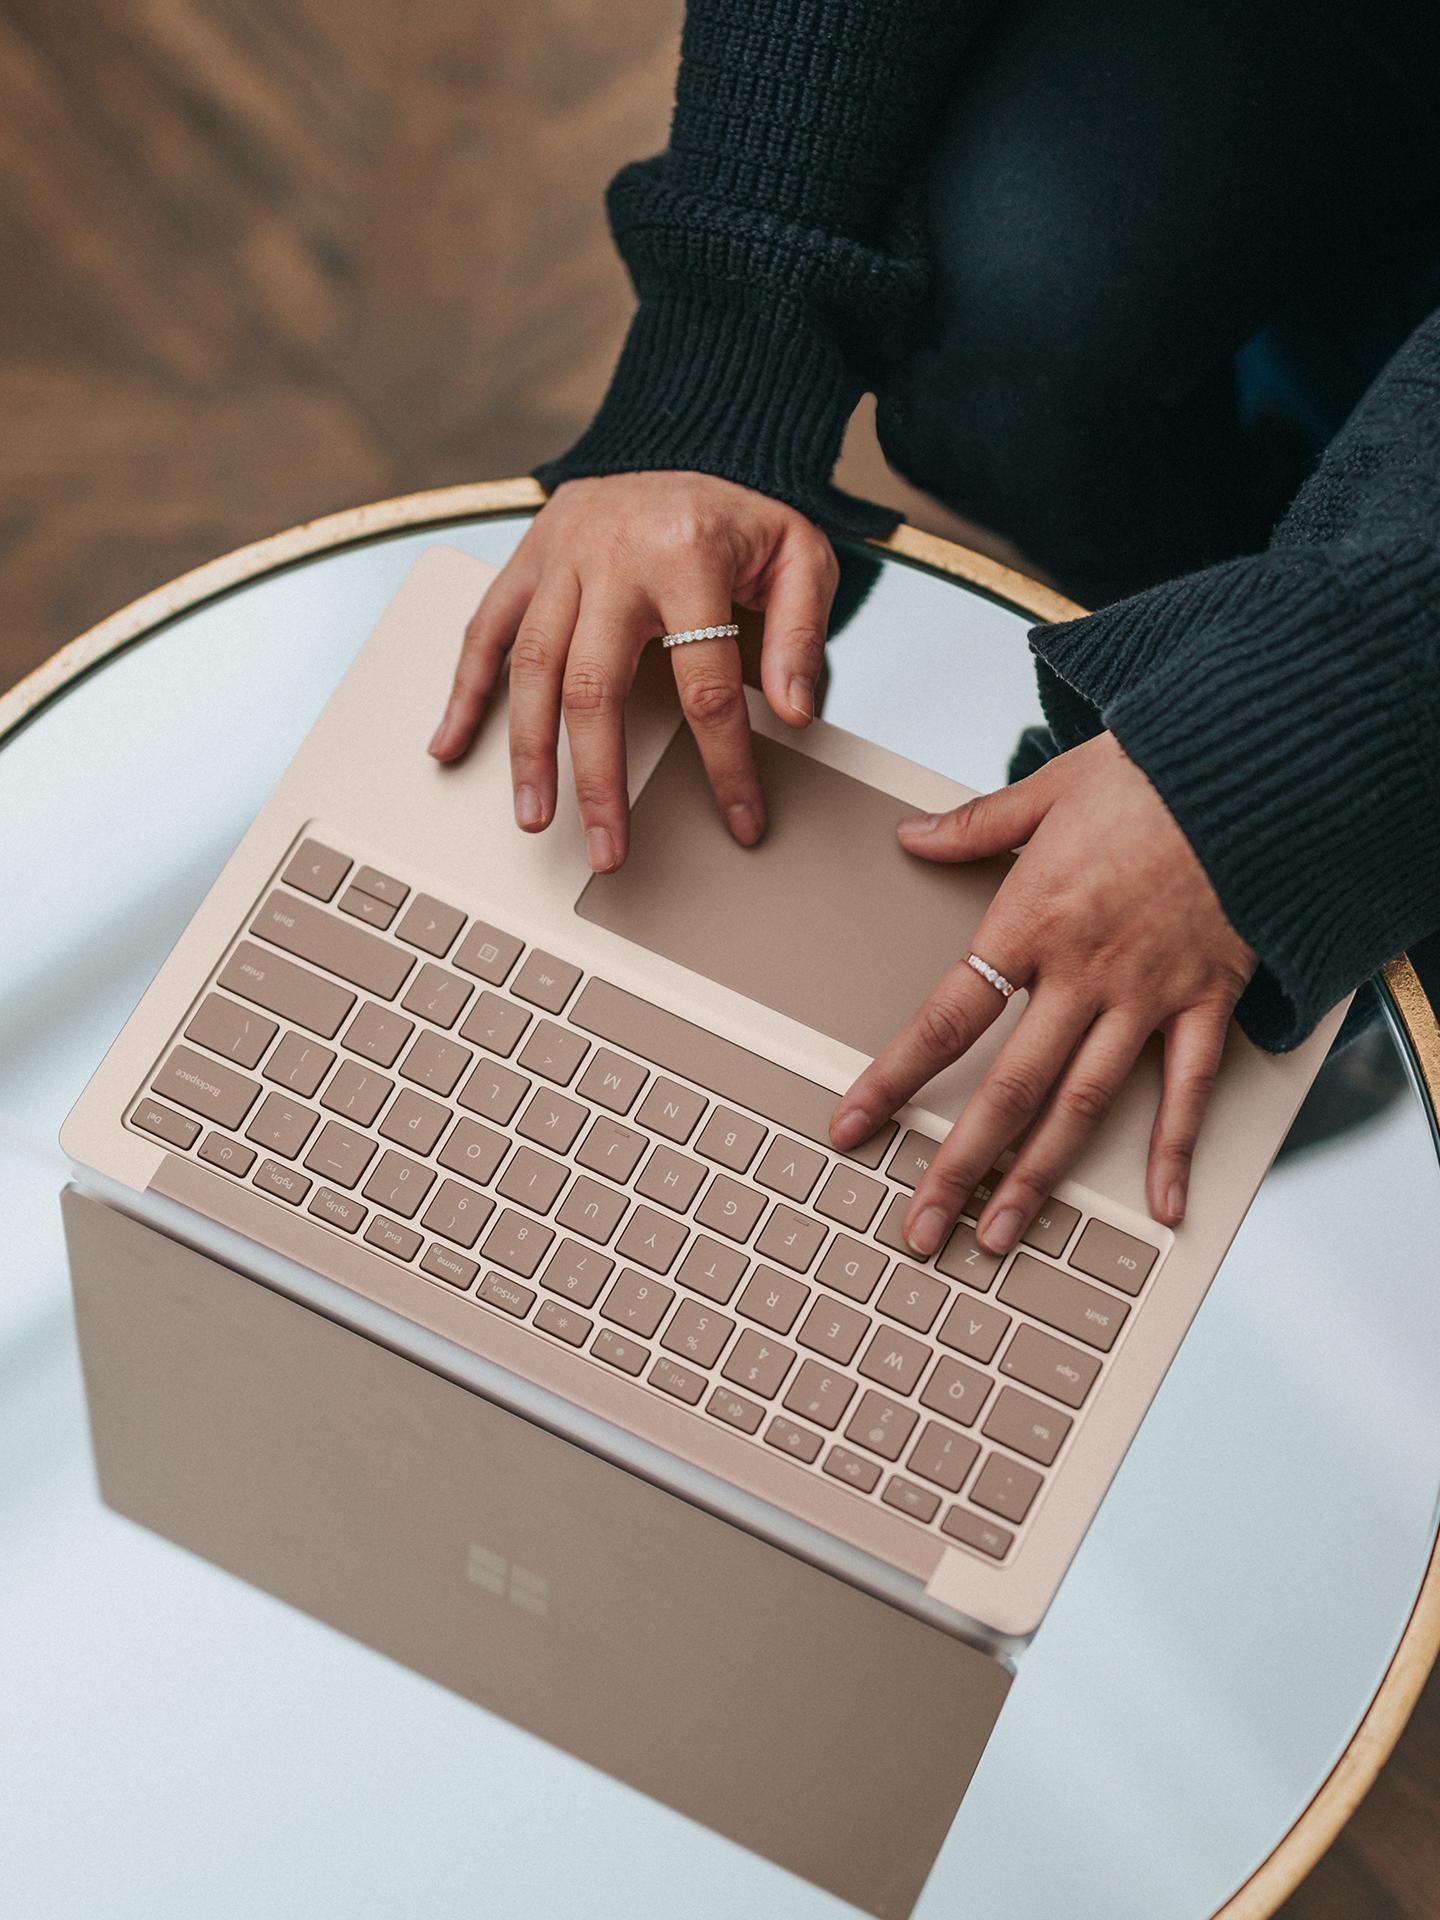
(918, 823)
(528, 811)
(999, 1235)
(440, 740)
(600, 849)
(745, 824)
(801, 694)
(851, 1125)
(928, 1231)
(1175, 1202)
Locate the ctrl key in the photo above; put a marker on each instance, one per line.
(165, 1124)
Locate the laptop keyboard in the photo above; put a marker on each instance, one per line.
(567, 1154)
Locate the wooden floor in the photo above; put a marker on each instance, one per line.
(268, 258)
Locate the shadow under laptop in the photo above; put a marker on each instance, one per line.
(810, 1722)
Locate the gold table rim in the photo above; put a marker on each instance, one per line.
(1353, 1774)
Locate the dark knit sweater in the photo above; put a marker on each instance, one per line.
(1285, 705)
(774, 246)
(1287, 708)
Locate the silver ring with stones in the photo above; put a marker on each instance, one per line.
(730, 631)
(986, 972)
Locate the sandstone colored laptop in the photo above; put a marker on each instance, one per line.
(669, 1650)
(564, 1139)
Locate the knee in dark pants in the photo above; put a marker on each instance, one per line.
(1022, 414)
(1052, 390)
(995, 441)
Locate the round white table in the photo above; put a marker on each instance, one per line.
(1228, 1662)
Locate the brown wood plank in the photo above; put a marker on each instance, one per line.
(268, 258)
(1386, 1863)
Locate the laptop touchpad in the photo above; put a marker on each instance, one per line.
(827, 921)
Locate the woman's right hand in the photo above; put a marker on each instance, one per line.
(608, 564)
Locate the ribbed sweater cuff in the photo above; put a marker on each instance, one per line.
(707, 384)
(1286, 709)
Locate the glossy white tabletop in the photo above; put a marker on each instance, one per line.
(173, 1742)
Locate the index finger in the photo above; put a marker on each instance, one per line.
(488, 637)
(959, 1010)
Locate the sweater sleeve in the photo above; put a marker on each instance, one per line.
(1286, 706)
(774, 247)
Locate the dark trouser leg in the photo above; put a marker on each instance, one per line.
(1120, 196)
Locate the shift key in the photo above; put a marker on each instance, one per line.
(265, 980)
(302, 928)
(195, 1081)
(1066, 1304)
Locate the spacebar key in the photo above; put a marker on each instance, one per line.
(733, 1072)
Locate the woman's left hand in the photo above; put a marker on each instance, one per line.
(1110, 922)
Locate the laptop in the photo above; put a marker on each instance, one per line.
(500, 1561)
(563, 1139)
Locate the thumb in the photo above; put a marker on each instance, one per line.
(990, 823)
